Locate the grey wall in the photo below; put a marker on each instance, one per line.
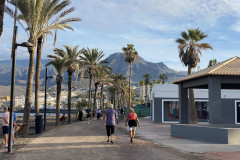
(157, 110)
(228, 111)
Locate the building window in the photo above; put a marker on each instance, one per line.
(170, 111)
(237, 112)
(202, 111)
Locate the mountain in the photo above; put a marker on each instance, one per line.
(141, 67)
(116, 62)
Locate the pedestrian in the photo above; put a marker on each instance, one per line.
(93, 113)
(14, 127)
(132, 122)
(5, 125)
(88, 114)
(109, 121)
(80, 113)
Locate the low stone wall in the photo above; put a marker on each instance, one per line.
(218, 134)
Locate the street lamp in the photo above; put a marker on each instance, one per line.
(14, 48)
(45, 99)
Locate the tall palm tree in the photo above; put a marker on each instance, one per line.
(212, 62)
(72, 64)
(2, 8)
(91, 60)
(146, 78)
(100, 71)
(163, 78)
(35, 15)
(59, 64)
(60, 23)
(131, 55)
(103, 80)
(189, 52)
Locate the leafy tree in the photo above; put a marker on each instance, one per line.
(2, 8)
(131, 55)
(91, 60)
(146, 78)
(72, 64)
(59, 64)
(36, 15)
(163, 78)
(101, 71)
(212, 62)
(189, 54)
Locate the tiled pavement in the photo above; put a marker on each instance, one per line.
(81, 141)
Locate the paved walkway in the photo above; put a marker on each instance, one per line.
(81, 141)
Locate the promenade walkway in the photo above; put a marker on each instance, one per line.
(80, 141)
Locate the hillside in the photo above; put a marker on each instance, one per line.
(116, 62)
(141, 67)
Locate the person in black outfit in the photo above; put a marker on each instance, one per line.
(80, 113)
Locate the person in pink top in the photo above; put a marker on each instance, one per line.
(132, 122)
(5, 125)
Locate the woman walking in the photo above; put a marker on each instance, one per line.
(132, 122)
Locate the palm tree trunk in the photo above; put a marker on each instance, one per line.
(101, 97)
(59, 81)
(37, 74)
(69, 96)
(2, 7)
(193, 110)
(145, 93)
(28, 96)
(95, 94)
(90, 92)
(130, 73)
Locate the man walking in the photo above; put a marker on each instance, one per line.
(109, 121)
(5, 125)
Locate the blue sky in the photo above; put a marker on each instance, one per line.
(151, 25)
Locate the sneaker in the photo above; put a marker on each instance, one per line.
(107, 140)
(131, 140)
(112, 141)
(4, 145)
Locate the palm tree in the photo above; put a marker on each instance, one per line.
(189, 52)
(100, 71)
(2, 8)
(72, 64)
(146, 78)
(103, 80)
(163, 78)
(131, 55)
(60, 23)
(91, 60)
(59, 64)
(212, 62)
(35, 15)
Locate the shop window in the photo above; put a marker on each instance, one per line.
(170, 111)
(202, 111)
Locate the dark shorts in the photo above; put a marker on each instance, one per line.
(88, 115)
(5, 129)
(110, 130)
(132, 123)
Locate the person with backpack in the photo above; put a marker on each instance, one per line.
(132, 122)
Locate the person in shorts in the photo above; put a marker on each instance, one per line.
(5, 125)
(109, 121)
(132, 122)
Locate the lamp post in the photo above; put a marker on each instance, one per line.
(45, 99)
(14, 48)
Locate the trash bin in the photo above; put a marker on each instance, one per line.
(38, 124)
